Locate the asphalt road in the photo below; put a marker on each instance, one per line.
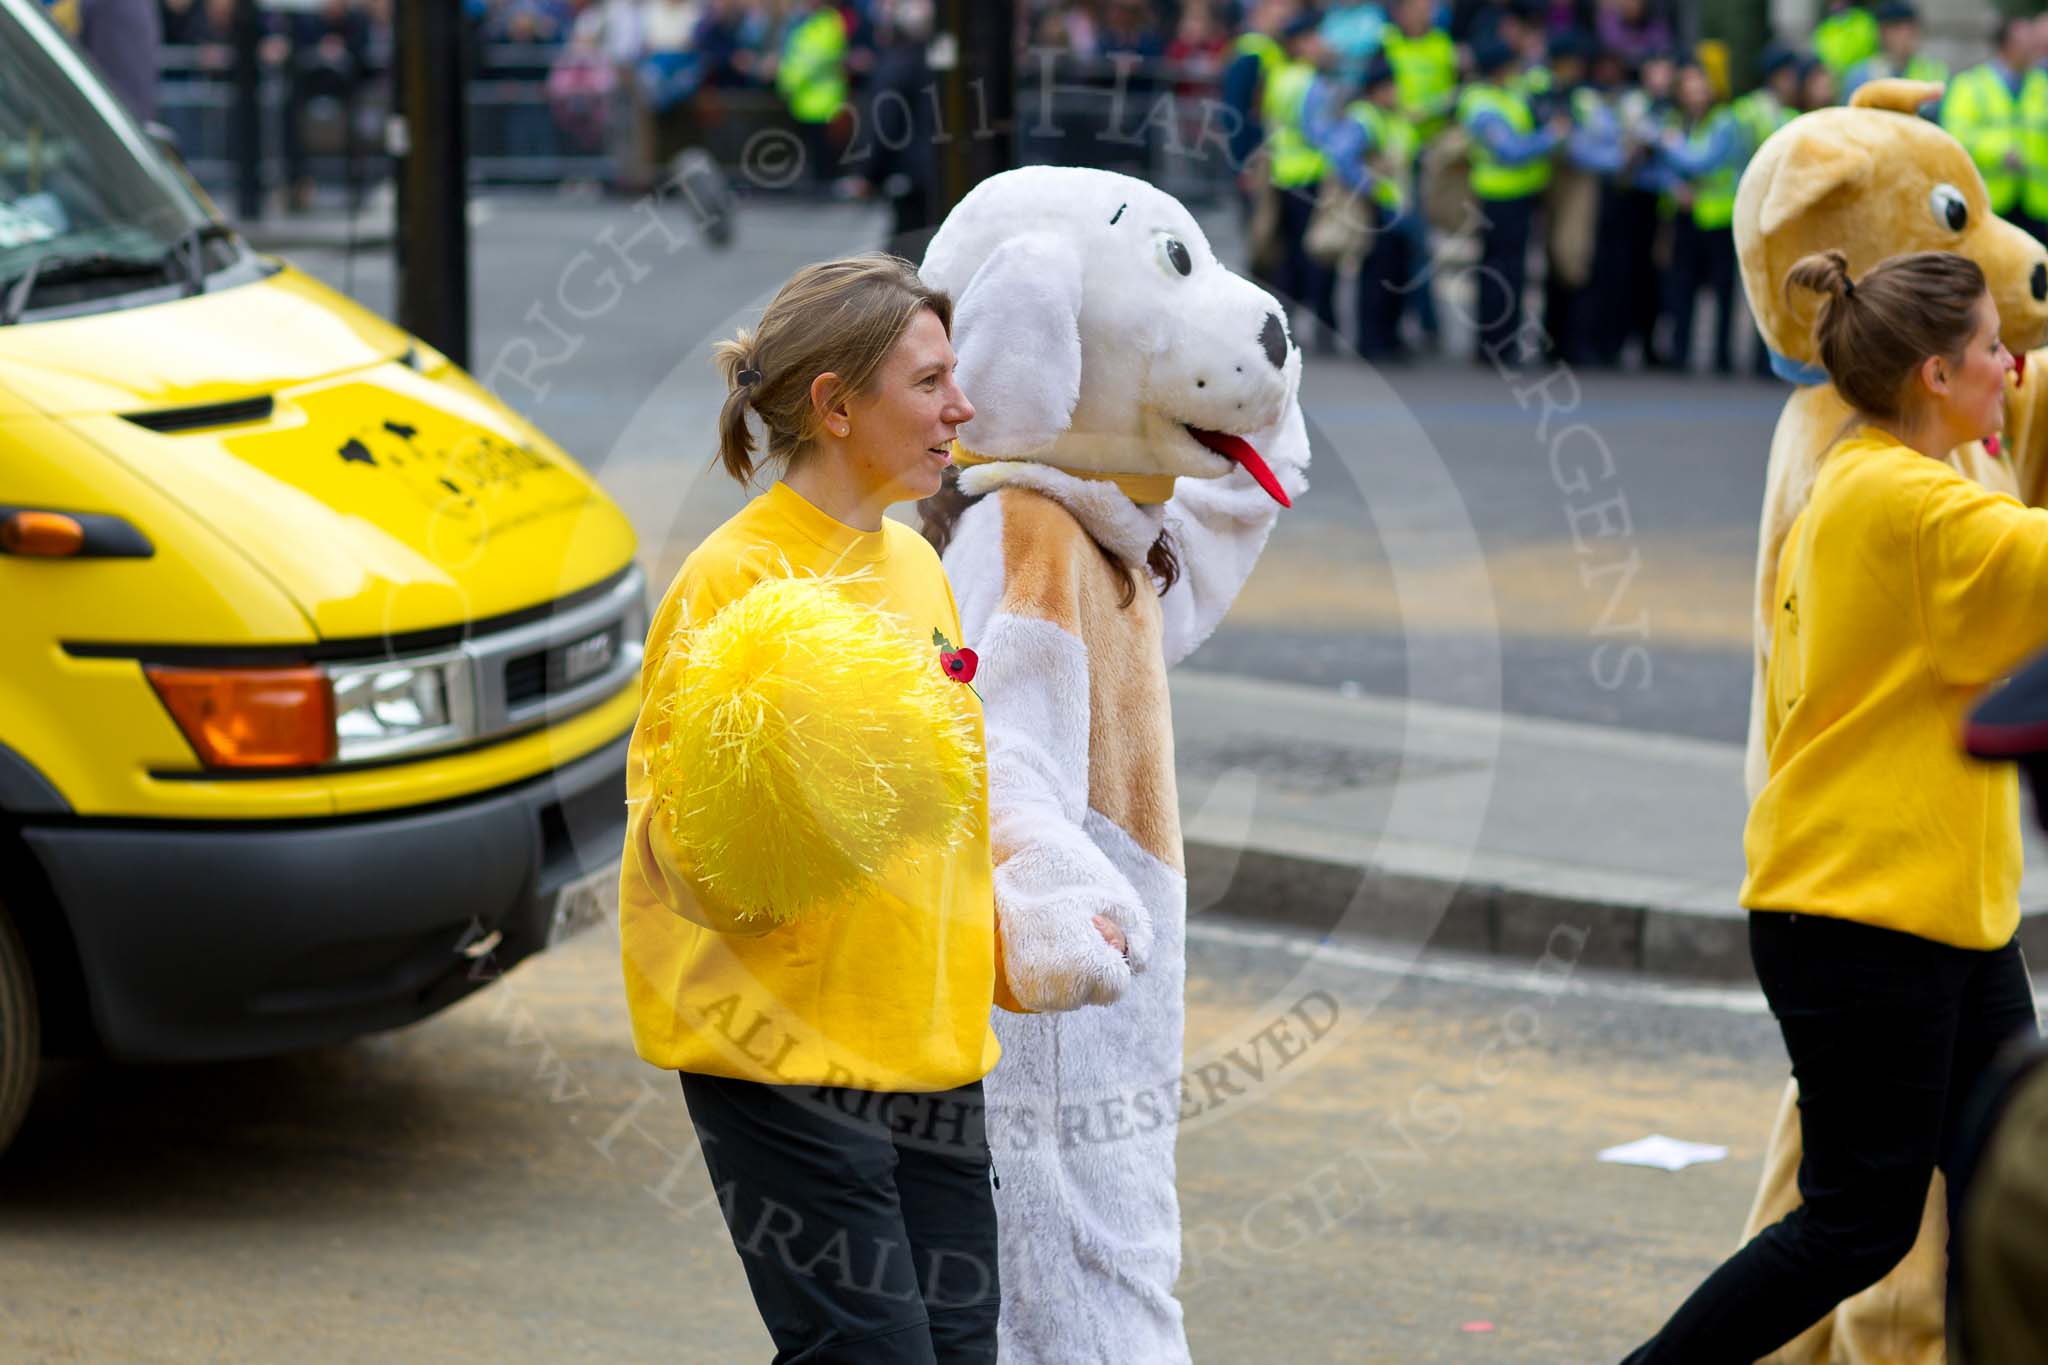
(508, 1183)
(1610, 511)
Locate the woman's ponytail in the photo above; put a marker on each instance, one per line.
(1824, 272)
(737, 362)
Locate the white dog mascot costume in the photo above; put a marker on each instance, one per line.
(1126, 385)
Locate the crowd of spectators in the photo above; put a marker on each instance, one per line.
(628, 85)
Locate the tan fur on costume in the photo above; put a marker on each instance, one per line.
(1864, 180)
(1054, 573)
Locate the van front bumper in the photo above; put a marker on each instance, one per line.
(217, 940)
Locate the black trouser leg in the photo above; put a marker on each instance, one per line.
(1888, 1035)
(864, 1221)
(942, 1179)
(1603, 322)
(1717, 258)
(1683, 284)
(1503, 277)
(821, 153)
(1645, 300)
(1305, 279)
(1379, 300)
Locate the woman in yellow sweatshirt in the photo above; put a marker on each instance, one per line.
(832, 1063)
(1884, 864)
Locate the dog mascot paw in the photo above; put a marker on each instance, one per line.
(1872, 180)
(1136, 426)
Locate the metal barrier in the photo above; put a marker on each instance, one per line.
(1155, 121)
(314, 121)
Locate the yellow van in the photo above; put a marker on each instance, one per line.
(317, 663)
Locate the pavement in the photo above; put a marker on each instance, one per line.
(1451, 827)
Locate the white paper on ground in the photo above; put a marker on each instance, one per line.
(1663, 1153)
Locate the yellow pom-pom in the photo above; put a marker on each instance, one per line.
(809, 743)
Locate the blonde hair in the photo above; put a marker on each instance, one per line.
(1873, 333)
(837, 317)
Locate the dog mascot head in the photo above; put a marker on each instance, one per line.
(1874, 180)
(1098, 333)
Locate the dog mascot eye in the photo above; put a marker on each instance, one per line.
(1951, 210)
(1174, 252)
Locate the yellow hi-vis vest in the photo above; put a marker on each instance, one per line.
(1426, 74)
(1392, 157)
(1983, 115)
(1844, 39)
(1490, 178)
(812, 76)
(1295, 160)
(1713, 195)
(2034, 143)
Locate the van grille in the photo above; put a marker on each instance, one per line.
(551, 672)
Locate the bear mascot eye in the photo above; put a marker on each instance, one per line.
(1174, 252)
(1951, 210)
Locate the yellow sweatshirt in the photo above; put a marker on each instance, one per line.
(1904, 591)
(892, 993)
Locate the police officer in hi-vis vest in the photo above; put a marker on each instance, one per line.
(810, 75)
(1899, 54)
(1254, 57)
(1572, 208)
(1846, 35)
(1425, 65)
(1987, 108)
(1300, 102)
(1510, 171)
(1706, 152)
(1373, 150)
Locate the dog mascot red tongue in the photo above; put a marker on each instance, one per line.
(1240, 451)
(1092, 322)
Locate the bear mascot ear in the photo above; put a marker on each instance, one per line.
(1810, 171)
(1899, 96)
(1017, 327)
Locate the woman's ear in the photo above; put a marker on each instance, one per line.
(1934, 374)
(828, 400)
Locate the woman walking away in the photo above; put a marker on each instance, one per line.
(831, 1034)
(1884, 865)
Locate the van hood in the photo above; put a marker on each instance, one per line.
(381, 488)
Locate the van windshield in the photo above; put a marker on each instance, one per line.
(88, 209)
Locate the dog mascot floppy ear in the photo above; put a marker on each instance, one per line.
(1872, 180)
(1136, 434)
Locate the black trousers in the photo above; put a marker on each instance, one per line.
(1626, 301)
(1702, 258)
(1503, 276)
(1889, 1034)
(864, 1219)
(1304, 279)
(1603, 323)
(1387, 270)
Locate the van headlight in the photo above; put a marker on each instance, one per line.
(395, 708)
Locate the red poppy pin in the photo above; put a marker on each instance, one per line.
(957, 664)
